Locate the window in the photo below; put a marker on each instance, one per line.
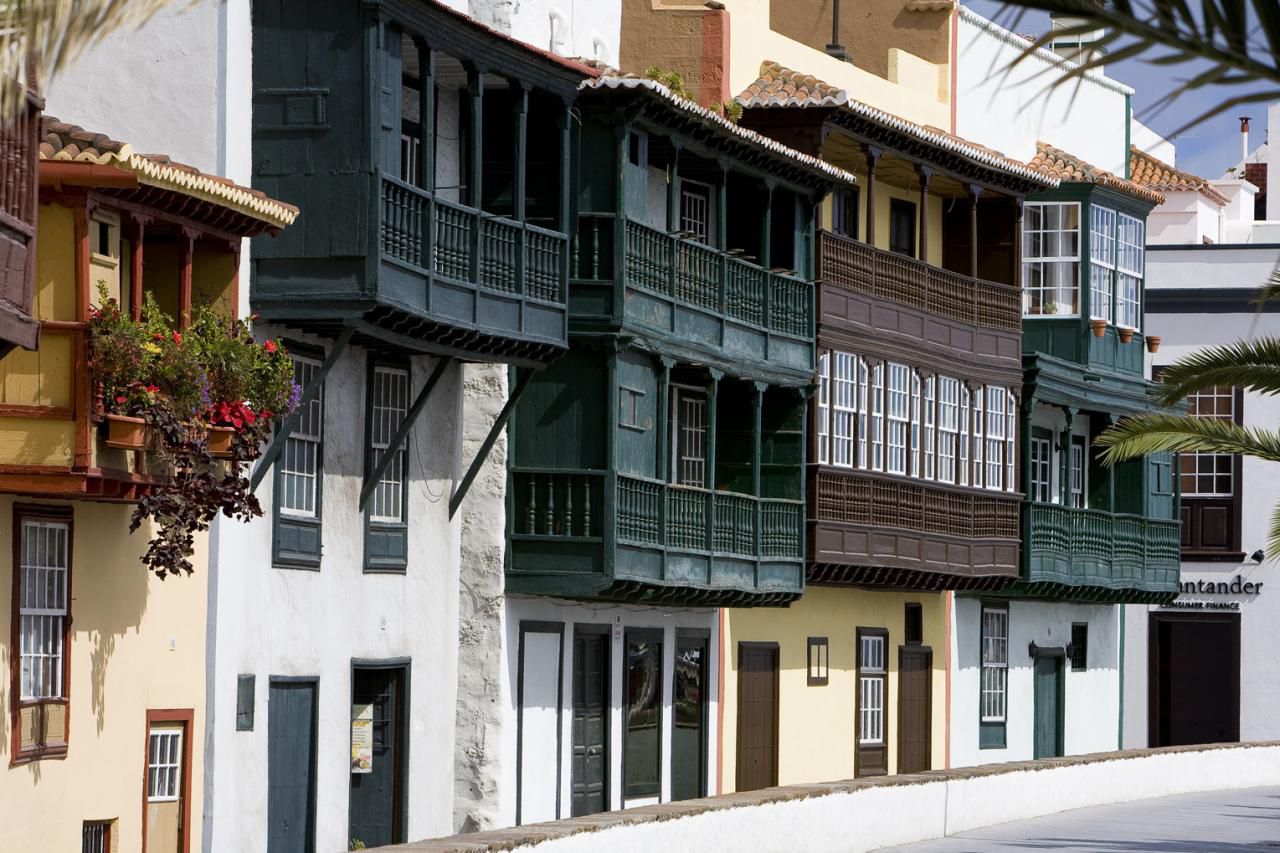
(244, 702)
(864, 395)
(629, 400)
(1209, 475)
(104, 257)
(642, 715)
(410, 157)
(1211, 508)
(1041, 466)
(1129, 259)
(1010, 443)
(877, 418)
(1051, 259)
(1079, 471)
(824, 408)
(819, 661)
(965, 396)
(1102, 262)
(844, 213)
(913, 622)
(388, 404)
(689, 423)
(930, 442)
(872, 675)
(844, 389)
(689, 715)
(45, 564)
(948, 428)
(695, 209)
(978, 394)
(995, 664)
(164, 765)
(299, 492)
(95, 836)
(899, 410)
(996, 424)
(1079, 647)
(902, 227)
(913, 449)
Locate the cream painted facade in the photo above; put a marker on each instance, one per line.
(136, 644)
(817, 735)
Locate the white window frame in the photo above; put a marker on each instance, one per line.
(389, 405)
(864, 394)
(1040, 477)
(872, 687)
(930, 426)
(43, 607)
(962, 465)
(979, 433)
(695, 208)
(823, 407)
(844, 387)
(1011, 443)
(689, 436)
(1035, 297)
(1209, 467)
(1079, 470)
(1102, 262)
(164, 765)
(304, 445)
(1131, 235)
(948, 429)
(997, 403)
(898, 411)
(877, 417)
(994, 642)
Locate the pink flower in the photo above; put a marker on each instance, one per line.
(122, 399)
(269, 346)
(177, 338)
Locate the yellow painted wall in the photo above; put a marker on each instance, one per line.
(885, 191)
(816, 725)
(124, 621)
(211, 273)
(914, 89)
(55, 263)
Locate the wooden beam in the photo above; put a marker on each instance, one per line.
(309, 393)
(426, 115)
(925, 174)
(402, 432)
(521, 384)
(873, 156)
(475, 133)
(975, 193)
(520, 146)
(187, 251)
(135, 269)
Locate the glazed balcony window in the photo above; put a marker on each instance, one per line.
(1051, 259)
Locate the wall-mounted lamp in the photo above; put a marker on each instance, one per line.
(1258, 556)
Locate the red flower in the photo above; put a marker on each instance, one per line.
(153, 389)
(122, 399)
(266, 414)
(156, 336)
(269, 346)
(177, 338)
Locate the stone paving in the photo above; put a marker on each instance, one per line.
(1243, 821)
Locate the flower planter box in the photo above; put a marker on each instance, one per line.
(220, 441)
(127, 433)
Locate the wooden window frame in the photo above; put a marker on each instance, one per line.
(1235, 553)
(896, 212)
(818, 671)
(278, 514)
(186, 716)
(871, 759)
(375, 526)
(107, 827)
(47, 751)
(993, 733)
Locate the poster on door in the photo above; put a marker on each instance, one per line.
(362, 738)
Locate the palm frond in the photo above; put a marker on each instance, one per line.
(1143, 435)
(39, 38)
(1238, 39)
(1252, 364)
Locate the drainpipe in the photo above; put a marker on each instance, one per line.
(835, 48)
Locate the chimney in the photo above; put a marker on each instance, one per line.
(835, 48)
(1244, 138)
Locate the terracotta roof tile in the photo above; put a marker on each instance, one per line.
(1071, 169)
(63, 141)
(1158, 175)
(779, 86)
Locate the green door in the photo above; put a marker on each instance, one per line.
(1048, 707)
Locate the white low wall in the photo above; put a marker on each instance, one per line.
(870, 814)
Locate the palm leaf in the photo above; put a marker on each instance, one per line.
(1252, 364)
(39, 38)
(1273, 535)
(1150, 433)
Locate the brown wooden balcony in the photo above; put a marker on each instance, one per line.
(18, 197)
(874, 529)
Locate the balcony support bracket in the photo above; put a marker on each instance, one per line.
(494, 431)
(291, 422)
(402, 432)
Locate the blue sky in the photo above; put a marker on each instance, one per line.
(1207, 149)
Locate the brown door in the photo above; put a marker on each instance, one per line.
(915, 664)
(757, 716)
(167, 808)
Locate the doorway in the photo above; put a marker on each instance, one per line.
(757, 763)
(378, 754)
(589, 776)
(291, 765)
(1194, 689)
(689, 711)
(167, 785)
(915, 666)
(1048, 693)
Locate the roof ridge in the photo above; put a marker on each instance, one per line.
(1173, 179)
(1069, 168)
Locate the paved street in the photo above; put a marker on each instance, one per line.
(1246, 821)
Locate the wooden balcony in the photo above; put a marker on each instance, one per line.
(871, 529)
(606, 536)
(18, 201)
(690, 293)
(1093, 555)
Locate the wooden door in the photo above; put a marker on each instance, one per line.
(1195, 678)
(757, 716)
(1048, 707)
(167, 782)
(915, 668)
(589, 776)
(377, 791)
(291, 763)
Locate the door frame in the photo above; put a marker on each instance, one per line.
(313, 795)
(643, 633)
(1154, 620)
(186, 716)
(928, 697)
(777, 710)
(401, 806)
(704, 635)
(595, 630)
(858, 760)
(1058, 654)
(536, 626)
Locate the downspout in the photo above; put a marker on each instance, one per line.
(724, 661)
(955, 78)
(1128, 131)
(1120, 723)
(946, 734)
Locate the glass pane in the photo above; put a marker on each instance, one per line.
(688, 746)
(643, 724)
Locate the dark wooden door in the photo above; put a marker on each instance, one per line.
(689, 712)
(291, 767)
(1195, 674)
(757, 716)
(377, 796)
(1048, 707)
(590, 773)
(915, 667)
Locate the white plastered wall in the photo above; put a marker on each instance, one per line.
(567, 27)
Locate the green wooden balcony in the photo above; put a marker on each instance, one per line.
(688, 292)
(1099, 556)
(608, 536)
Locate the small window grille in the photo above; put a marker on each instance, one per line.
(244, 703)
(819, 660)
(1079, 646)
(914, 623)
(95, 836)
(689, 422)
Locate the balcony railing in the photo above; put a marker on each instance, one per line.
(1085, 547)
(880, 501)
(467, 245)
(888, 275)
